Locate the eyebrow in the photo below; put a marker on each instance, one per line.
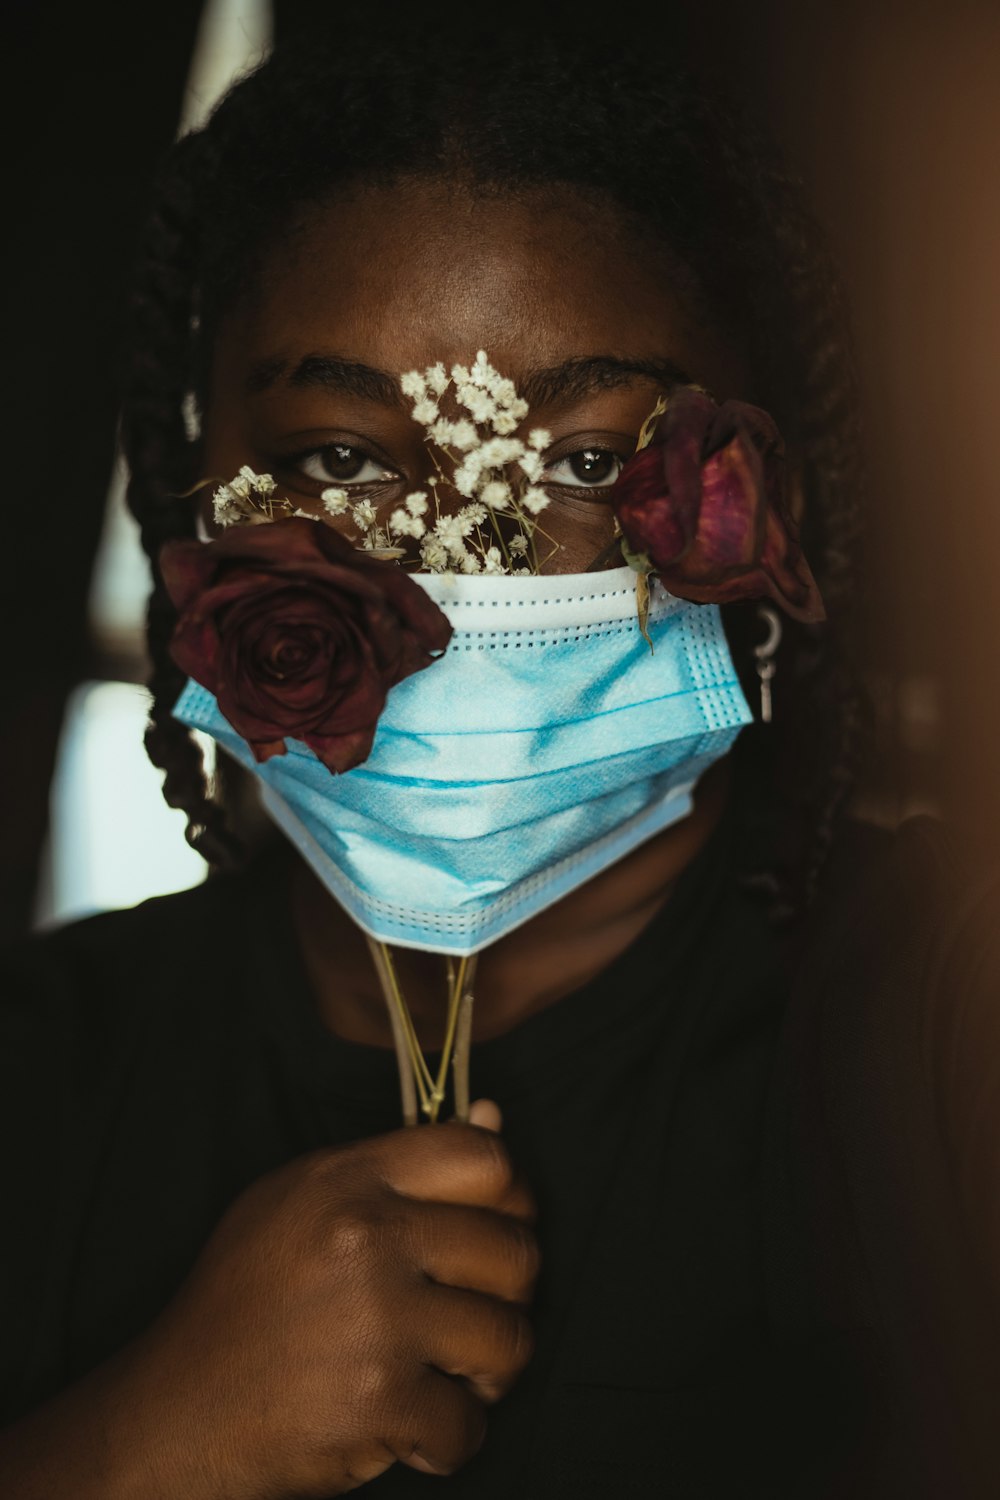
(332, 372)
(576, 378)
(569, 381)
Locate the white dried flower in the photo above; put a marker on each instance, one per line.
(248, 483)
(335, 501)
(484, 375)
(416, 503)
(463, 435)
(496, 494)
(434, 554)
(224, 507)
(363, 514)
(403, 524)
(437, 379)
(505, 422)
(475, 514)
(413, 385)
(493, 561)
(518, 545)
(498, 451)
(531, 466)
(479, 404)
(539, 438)
(426, 413)
(534, 500)
(452, 531)
(468, 563)
(466, 476)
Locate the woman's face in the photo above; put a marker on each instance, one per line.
(566, 299)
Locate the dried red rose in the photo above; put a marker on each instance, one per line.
(705, 505)
(298, 634)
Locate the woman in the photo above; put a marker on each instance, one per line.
(239, 1275)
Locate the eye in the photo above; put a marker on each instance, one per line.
(340, 463)
(590, 468)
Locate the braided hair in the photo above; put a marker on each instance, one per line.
(325, 114)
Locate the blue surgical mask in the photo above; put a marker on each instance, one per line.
(547, 743)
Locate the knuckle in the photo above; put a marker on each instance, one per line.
(354, 1236)
(349, 1233)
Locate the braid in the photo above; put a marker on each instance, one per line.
(323, 115)
(825, 726)
(820, 714)
(161, 461)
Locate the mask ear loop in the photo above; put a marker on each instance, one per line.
(415, 1077)
(764, 654)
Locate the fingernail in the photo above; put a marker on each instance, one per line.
(486, 1114)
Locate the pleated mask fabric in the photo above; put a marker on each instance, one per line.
(543, 746)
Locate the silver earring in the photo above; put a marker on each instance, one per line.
(764, 654)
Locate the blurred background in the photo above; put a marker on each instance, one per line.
(891, 114)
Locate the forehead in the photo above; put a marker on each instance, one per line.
(403, 276)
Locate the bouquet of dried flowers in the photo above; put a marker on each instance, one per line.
(300, 624)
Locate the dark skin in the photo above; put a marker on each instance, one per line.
(365, 1305)
(398, 280)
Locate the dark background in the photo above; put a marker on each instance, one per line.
(891, 112)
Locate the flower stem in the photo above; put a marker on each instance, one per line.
(463, 1047)
(415, 1077)
(407, 1088)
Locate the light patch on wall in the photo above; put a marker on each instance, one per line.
(113, 840)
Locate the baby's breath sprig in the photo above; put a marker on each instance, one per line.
(250, 500)
(374, 538)
(491, 470)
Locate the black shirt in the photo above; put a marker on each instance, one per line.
(158, 1060)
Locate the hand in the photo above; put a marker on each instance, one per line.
(357, 1307)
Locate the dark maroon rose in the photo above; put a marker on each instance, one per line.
(705, 504)
(298, 634)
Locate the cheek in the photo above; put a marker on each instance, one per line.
(572, 534)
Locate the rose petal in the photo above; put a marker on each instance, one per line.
(342, 752)
(731, 516)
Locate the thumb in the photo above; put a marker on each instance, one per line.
(486, 1115)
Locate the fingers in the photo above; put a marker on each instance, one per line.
(487, 1343)
(475, 1249)
(454, 1164)
(443, 1427)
